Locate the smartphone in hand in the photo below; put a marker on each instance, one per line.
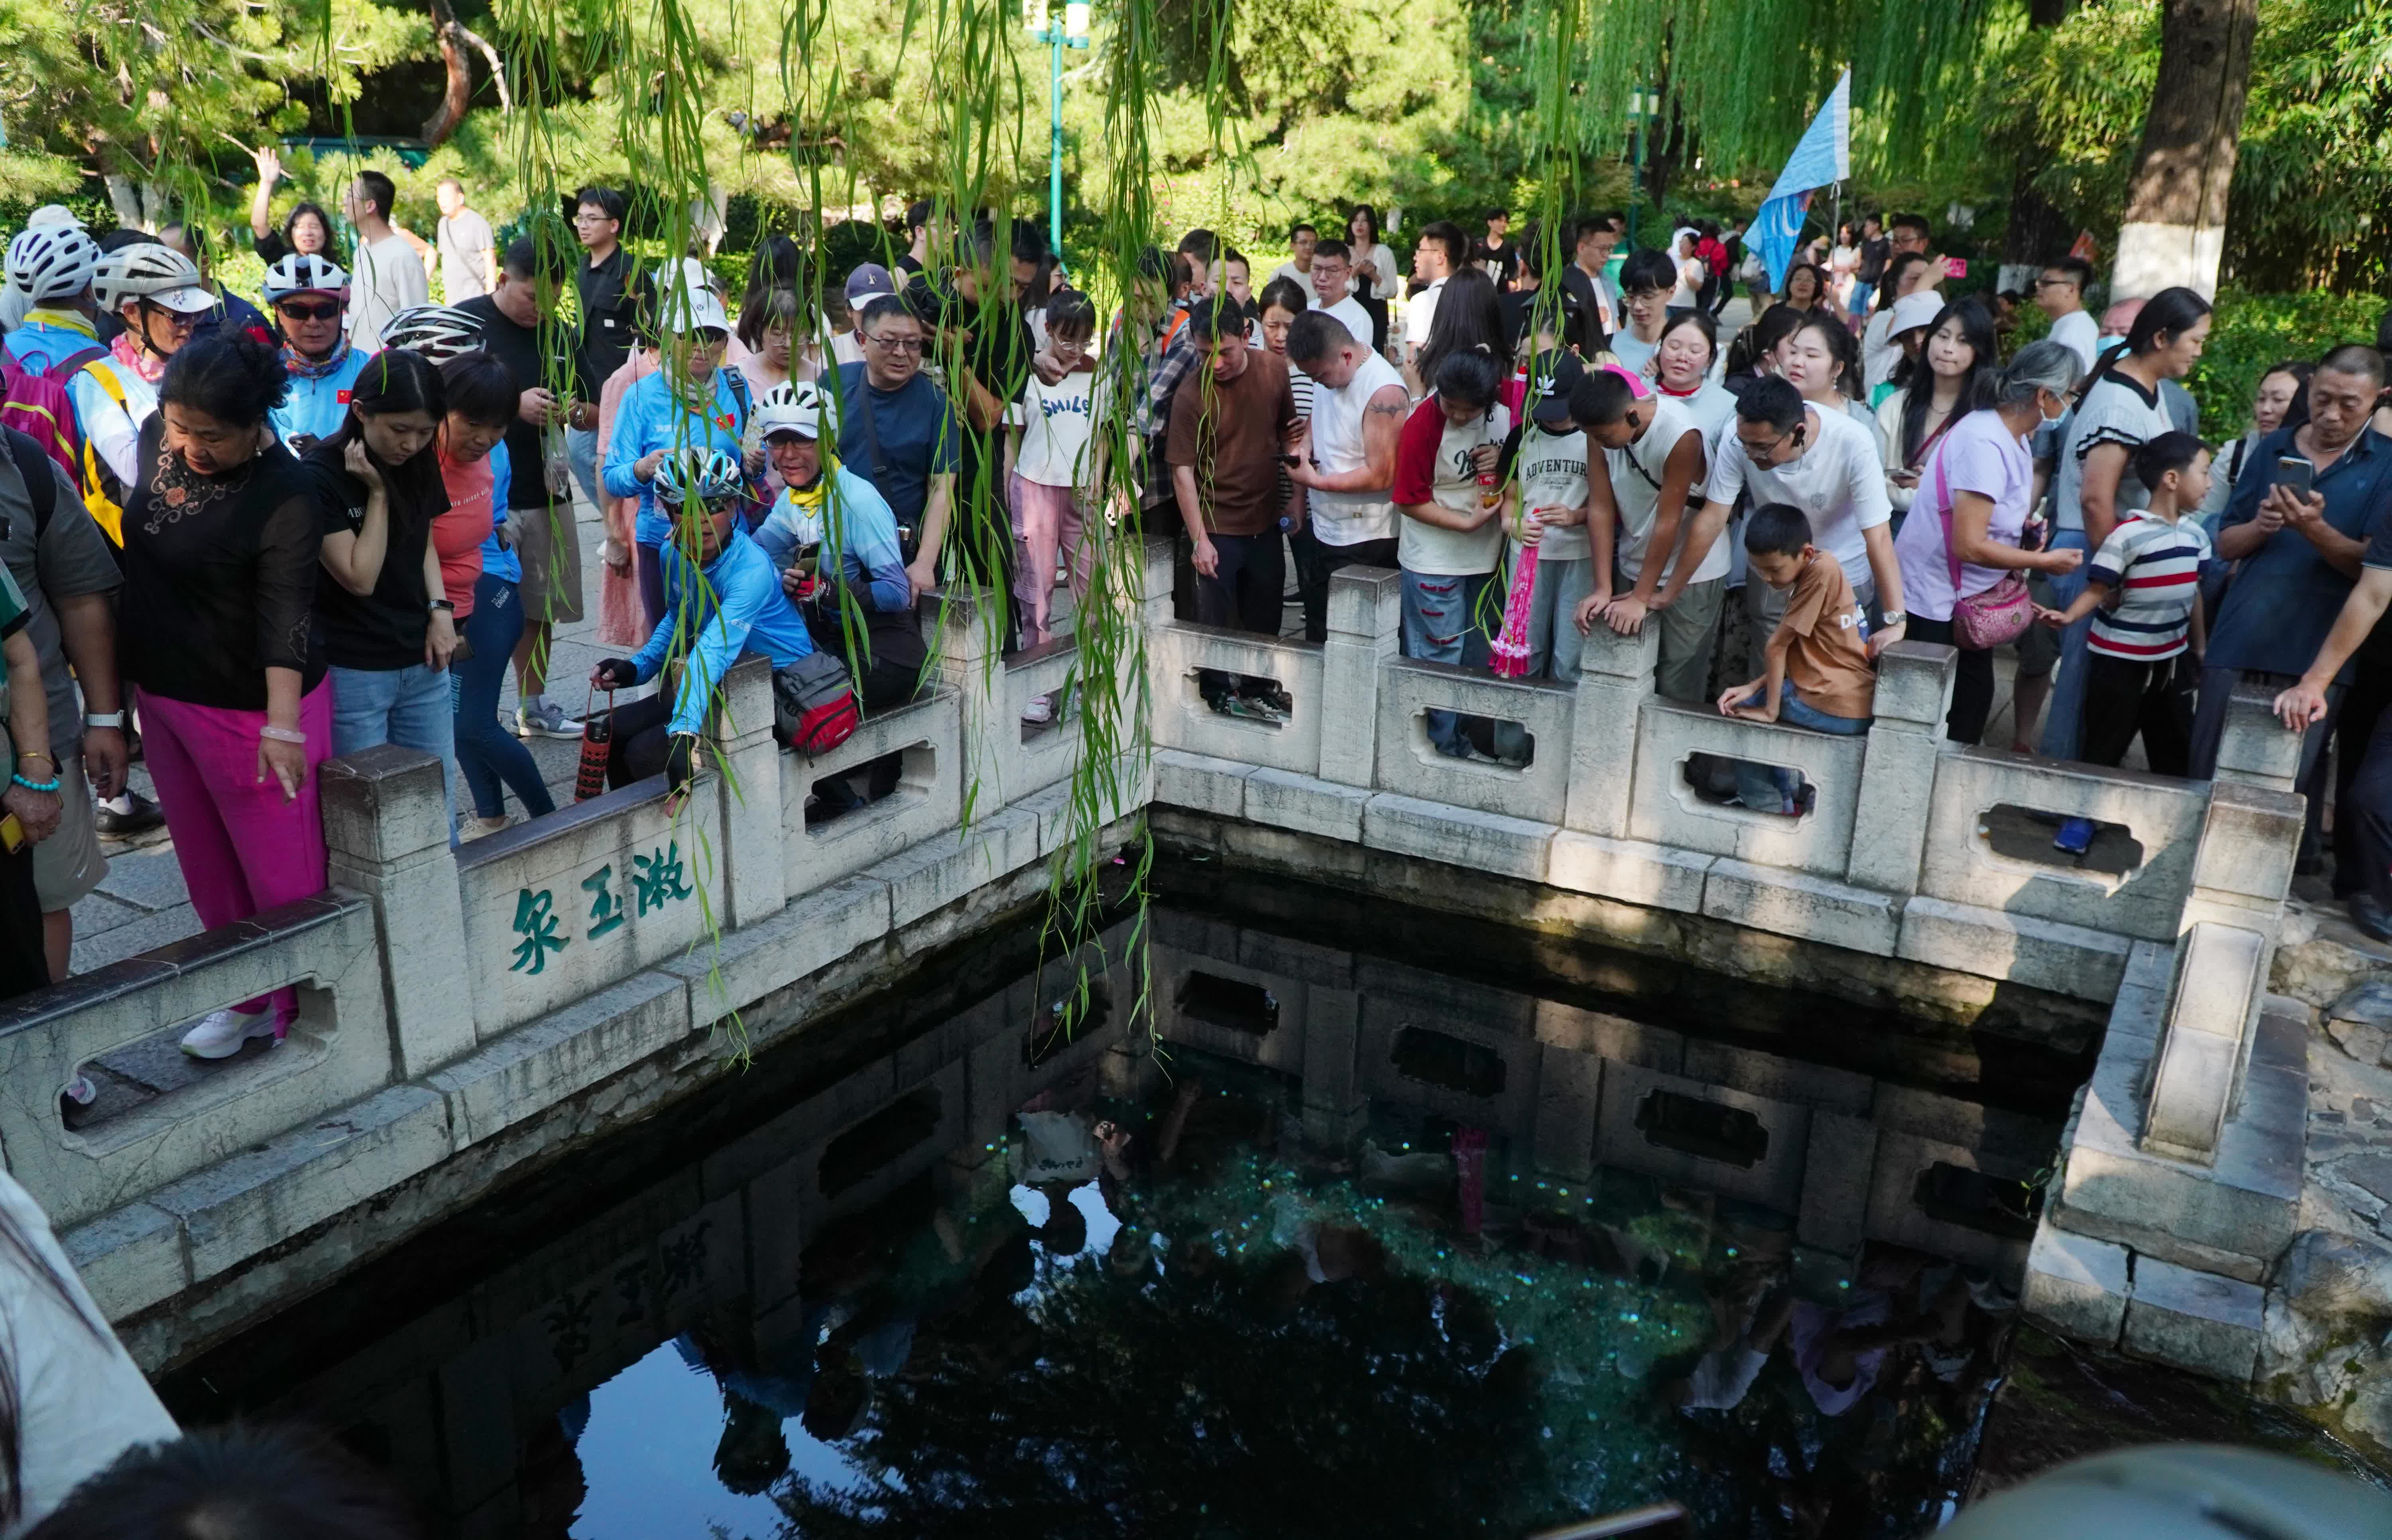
(2295, 475)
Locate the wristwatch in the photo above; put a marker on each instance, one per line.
(444, 604)
(104, 719)
(1893, 618)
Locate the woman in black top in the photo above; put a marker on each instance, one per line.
(381, 613)
(306, 229)
(220, 552)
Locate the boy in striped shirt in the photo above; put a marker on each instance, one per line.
(2144, 590)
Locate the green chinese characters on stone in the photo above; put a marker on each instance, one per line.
(658, 878)
(605, 909)
(536, 924)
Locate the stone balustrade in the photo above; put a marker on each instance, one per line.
(451, 998)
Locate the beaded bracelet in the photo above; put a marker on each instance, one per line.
(49, 785)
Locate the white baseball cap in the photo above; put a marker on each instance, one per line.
(1913, 311)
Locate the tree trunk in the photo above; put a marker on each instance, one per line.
(454, 38)
(2174, 228)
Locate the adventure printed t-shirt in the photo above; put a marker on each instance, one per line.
(1552, 474)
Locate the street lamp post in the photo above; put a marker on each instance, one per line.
(1071, 32)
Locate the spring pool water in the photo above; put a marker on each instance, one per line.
(1397, 1223)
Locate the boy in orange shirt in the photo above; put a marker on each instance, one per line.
(1819, 675)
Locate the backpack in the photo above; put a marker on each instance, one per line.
(39, 407)
(102, 493)
(813, 704)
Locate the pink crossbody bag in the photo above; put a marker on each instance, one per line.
(1982, 621)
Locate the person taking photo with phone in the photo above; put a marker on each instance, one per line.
(2299, 524)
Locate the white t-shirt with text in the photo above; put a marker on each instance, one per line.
(1838, 484)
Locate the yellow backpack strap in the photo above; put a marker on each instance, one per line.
(105, 511)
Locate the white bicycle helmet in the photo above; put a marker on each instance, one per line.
(710, 475)
(305, 273)
(796, 407)
(148, 271)
(436, 332)
(52, 262)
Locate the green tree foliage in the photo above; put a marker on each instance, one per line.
(2313, 185)
(168, 90)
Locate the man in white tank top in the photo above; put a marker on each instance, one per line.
(1359, 405)
(1653, 463)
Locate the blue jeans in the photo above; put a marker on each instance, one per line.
(1441, 626)
(1861, 292)
(1764, 786)
(582, 449)
(407, 707)
(2063, 719)
(486, 752)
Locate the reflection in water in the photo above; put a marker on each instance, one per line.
(1363, 1249)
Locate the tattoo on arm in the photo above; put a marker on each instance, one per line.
(1395, 410)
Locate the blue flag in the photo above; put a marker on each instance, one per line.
(1823, 156)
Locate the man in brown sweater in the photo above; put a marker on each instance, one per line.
(1232, 420)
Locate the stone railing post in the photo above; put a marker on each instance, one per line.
(1365, 625)
(1615, 680)
(386, 832)
(755, 881)
(2255, 749)
(1914, 691)
(972, 663)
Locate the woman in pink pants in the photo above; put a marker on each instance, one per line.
(220, 550)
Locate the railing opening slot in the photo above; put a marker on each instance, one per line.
(1230, 1003)
(1457, 1064)
(1711, 1130)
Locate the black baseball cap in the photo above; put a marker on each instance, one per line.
(1555, 374)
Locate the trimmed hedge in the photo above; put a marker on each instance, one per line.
(2253, 332)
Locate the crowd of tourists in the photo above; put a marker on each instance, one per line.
(243, 538)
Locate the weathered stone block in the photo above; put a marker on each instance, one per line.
(2195, 1321)
(804, 937)
(2217, 984)
(2076, 1285)
(1201, 785)
(1836, 1180)
(1628, 870)
(129, 1258)
(2248, 842)
(260, 1197)
(1305, 804)
(1795, 903)
(2255, 749)
(1897, 785)
(2044, 954)
(1914, 684)
(1570, 1096)
(1409, 764)
(1666, 810)
(1458, 836)
(546, 1061)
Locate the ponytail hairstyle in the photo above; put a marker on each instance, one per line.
(397, 380)
(1753, 347)
(2163, 318)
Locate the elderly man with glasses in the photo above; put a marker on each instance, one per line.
(898, 428)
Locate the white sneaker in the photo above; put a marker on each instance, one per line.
(220, 1034)
(473, 827)
(546, 719)
(1040, 709)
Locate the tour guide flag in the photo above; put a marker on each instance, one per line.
(1823, 157)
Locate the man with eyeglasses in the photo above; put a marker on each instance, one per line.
(898, 429)
(2060, 294)
(1784, 450)
(614, 293)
